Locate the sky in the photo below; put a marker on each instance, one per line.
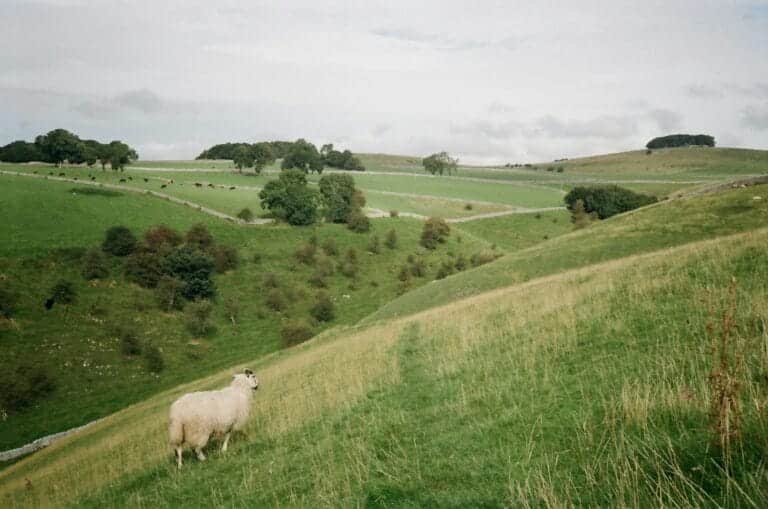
(488, 81)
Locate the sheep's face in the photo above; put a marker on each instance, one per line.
(248, 379)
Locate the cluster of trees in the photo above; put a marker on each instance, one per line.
(180, 267)
(338, 201)
(299, 154)
(604, 201)
(681, 140)
(60, 146)
(440, 163)
(228, 150)
(345, 160)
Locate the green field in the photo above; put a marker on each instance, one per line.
(574, 371)
(58, 220)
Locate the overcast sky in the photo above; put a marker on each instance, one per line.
(489, 81)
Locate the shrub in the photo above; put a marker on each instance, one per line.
(394, 213)
(145, 267)
(306, 253)
(349, 269)
(63, 292)
(391, 239)
(246, 215)
(606, 201)
(404, 274)
(461, 263)
(232, 309)
(162, 238)
(317, 280)
(323, 310)
(194, 268)
(445, 269)
(418, 267)
(256, 257)
(198, 236)
(119, 241)
(579, 216)
(324, 266)
(95, 264)
(170, 293)
(271, 280)
(225, 258)
(198, 317)
(434, 232)
(483, 257)
(374, 246)
(358, 222)
(8, 300)
(24, 386)
(154, 359)
(130, 344)
(295, 332)
(329, 247)
(468, 206)
(276, 300)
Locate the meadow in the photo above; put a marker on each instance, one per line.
(575, 370)
(77, 345)
(586, 388)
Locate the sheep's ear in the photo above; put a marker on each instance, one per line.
(248, 372)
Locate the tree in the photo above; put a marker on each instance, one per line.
(263, 155)
(304, 156)
(336, 193)
(194, 268)
(681, 140)
(288, 198)
(243, 157)
(20, 151)
(606, 201)
(440, 163)
(59, 145)
(120, 154)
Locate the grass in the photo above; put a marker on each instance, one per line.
(587, 388)
(76, 346)
(651, 228)
(428, 206)
(519, 231)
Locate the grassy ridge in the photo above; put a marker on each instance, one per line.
(585, 388)
(656, 227)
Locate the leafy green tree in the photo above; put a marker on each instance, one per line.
(263, 155)
(440, 163)
(243, 157)
(290, 199)
(194, 268)
(20, 151)
(121, 154)
(304, 156)
(606, 201)
(59, 145)
(336, 193)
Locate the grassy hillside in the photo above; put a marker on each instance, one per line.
(655, 227)
(78, 346)
(587, 388)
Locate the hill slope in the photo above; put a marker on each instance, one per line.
(587, 387)
(647, 229)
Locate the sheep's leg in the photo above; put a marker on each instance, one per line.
(199, 452)
(226, 442)
(178, 456)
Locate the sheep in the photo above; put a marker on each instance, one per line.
(196, 416)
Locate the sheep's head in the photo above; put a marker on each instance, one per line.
(247, 378)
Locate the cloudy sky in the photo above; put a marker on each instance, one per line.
(490, 81)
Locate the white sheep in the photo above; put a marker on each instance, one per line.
(196, 416)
